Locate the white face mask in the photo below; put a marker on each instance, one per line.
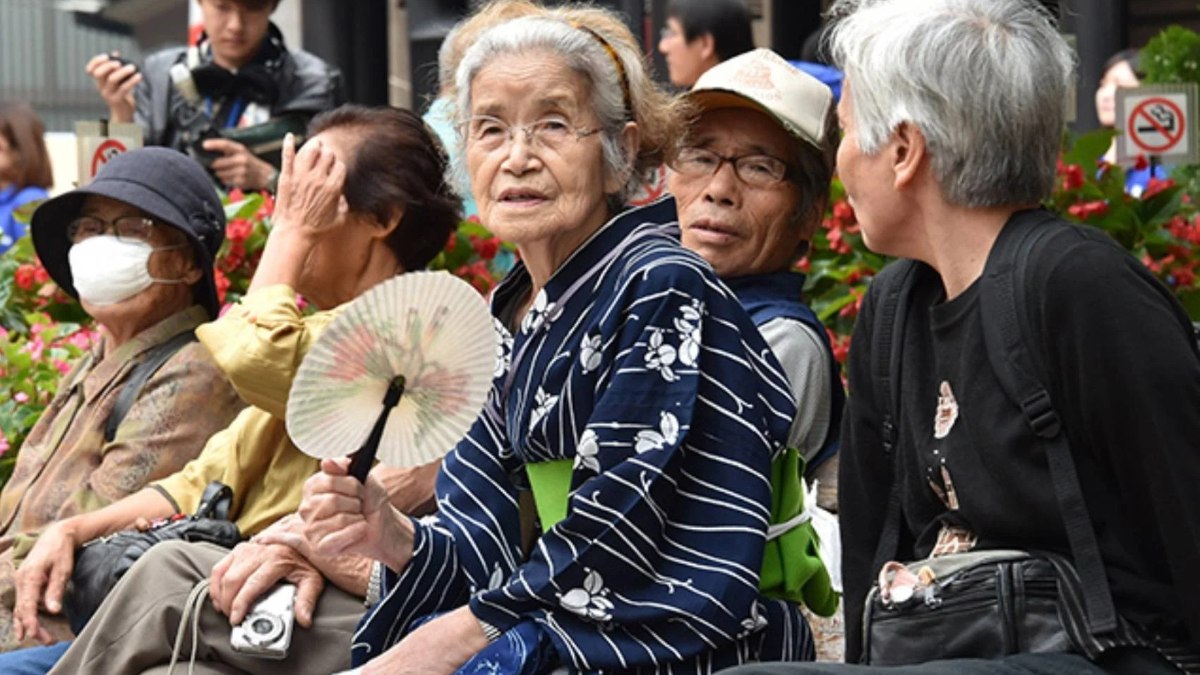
(107, 270)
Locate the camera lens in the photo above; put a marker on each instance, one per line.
(262, 629)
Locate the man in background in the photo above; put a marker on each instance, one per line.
(702, 33)
(238, 75)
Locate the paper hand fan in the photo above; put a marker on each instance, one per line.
(403, 369)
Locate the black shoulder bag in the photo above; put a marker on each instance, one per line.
(101, 562)
(992, 603)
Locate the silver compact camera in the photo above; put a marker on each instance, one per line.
(267, 629)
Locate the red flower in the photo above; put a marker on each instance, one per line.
(268, 206)
(25, 276)
(222, 283)
(235, 257)
(1155, 186)
(236, 195)
(1085, 210)
(1072, 177)
(1141, 164)
(452, 241)
(840, 345)
(843, 211)
(486, 248)
(1184, 276)
(239, 229)
(851, 309)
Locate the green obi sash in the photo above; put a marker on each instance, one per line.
(791, 570)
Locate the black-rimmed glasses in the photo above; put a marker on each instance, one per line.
(753, 170)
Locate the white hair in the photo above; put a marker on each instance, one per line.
(984, 80)
(582, 52)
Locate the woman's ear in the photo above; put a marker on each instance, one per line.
(385, 229)
(908, 153)
(187, 270)
(629, 143)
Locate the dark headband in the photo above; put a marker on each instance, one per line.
(616, 59)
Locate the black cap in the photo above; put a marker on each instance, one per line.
(167, 185)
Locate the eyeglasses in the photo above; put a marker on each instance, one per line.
(757, 171)
(489, 133)
(126, 228)
(667, 33)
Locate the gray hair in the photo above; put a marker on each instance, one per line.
(445, 57)
(984, 81)
(584, 54)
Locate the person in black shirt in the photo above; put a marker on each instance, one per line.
(953, 115)
(243, 76)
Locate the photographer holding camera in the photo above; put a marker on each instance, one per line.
(239, 75)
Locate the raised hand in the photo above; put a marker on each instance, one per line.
(115, 81)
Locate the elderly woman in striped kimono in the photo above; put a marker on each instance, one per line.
(631, 378)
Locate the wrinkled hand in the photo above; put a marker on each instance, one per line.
(412, 488)
(251, 569)
(237, 167)
(42, 579)
(440, 646)
(344, 516)
(309, 196)
(115, 83)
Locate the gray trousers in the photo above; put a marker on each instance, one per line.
(134, 630)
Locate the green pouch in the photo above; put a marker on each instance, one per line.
(792, 569)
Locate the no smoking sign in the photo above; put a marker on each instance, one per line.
(1157, 121)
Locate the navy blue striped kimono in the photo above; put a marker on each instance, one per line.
(641, 367)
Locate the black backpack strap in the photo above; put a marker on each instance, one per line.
(1004, 292)
(887, 341)
(155, 358)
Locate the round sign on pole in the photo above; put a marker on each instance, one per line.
(1157, 125)
(105, 151)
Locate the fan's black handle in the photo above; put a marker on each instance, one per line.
(360, 465)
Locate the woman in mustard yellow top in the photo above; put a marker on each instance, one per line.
(348, 217)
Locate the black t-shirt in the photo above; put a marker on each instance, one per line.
(1126, 384)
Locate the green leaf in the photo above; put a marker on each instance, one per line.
(245, 208)
(1162, 207)
(1087, 149)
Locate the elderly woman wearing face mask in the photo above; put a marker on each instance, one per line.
(136, 246)
(633, 381)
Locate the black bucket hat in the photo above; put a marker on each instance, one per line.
(166, 184)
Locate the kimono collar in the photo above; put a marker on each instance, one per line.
(613, 237)
(757, 288)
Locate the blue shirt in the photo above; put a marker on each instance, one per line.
(11, 199)
(637, 364)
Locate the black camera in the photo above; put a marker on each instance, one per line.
(124, 62)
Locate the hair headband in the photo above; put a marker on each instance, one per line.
(616, 59)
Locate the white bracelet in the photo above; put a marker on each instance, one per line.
(374, 584)
(489, 631)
